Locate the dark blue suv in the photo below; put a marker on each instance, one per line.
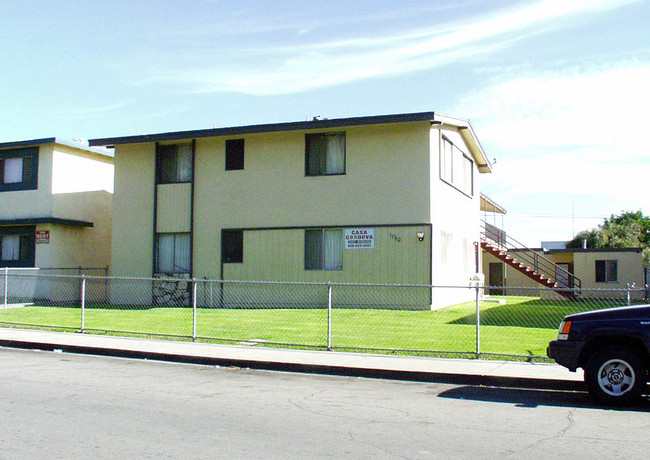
(612, 346)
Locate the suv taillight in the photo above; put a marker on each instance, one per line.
(565, 328)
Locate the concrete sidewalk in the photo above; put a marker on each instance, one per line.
(443, 370)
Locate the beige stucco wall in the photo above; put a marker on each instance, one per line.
(92, 244)
(133, 199)
(630, 268)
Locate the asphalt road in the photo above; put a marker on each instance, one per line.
(55, 405)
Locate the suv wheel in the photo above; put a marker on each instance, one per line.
(615, 375)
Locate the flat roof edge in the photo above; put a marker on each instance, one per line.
(266, 128)
(45, 220)
(83, 145)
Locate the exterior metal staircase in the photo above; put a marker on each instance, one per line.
(529, 262)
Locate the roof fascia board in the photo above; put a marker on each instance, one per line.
(266, 128)
(45, 220)
(466, 131)
(56, 140)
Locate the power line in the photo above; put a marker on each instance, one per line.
(555, 216)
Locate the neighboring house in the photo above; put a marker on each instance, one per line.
(55, 204)
(592, 272)
(382, 199)
(562, 272)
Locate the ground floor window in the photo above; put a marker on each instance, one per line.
(17, 246)
(173, 253)
(232, 246)
(324, 249)
(606, 271)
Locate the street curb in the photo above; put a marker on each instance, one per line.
(388, 374)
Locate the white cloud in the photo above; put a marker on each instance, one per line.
(590, 111)
(281, 69)
(86, 112)
(577, 134)
(574, 129)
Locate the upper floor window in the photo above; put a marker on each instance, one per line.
(18, 169)
(324, 154)
(234, 154)
(606, 271)
(174, 163)
(456, 168)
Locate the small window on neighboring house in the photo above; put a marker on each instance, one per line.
(173, 253)
(324, 249)
(606, 271)
(18, 169)
(234, 154)
(17, 247)
(324, 154)
(456, 168)
(232, 246)
(174, 164)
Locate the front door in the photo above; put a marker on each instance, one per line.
(496, 278)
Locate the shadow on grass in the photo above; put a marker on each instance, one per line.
(532, 312)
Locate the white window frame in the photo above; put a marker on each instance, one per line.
(456, 167)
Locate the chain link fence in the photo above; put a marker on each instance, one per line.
(398, 319)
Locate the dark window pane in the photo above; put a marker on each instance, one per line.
(324, 154)
(167, 161)
(601, 271)
(174, 164)
(232, 246)
(234, 154)
(313, 249)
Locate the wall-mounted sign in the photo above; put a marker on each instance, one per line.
(359, 238)
(42, 236)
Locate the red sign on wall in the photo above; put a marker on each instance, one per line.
(42, 236)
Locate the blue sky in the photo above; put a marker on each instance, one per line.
(557, 91)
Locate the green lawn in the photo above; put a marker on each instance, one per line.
(522, 327)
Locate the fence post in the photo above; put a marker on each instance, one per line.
(194, 309)
(628, 288)
(477, 281)
(478, 322)
(6, 285)
(329, 316)
(83, 303)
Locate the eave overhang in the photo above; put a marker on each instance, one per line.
(265, 128)
(469, 136)
(45, 220)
